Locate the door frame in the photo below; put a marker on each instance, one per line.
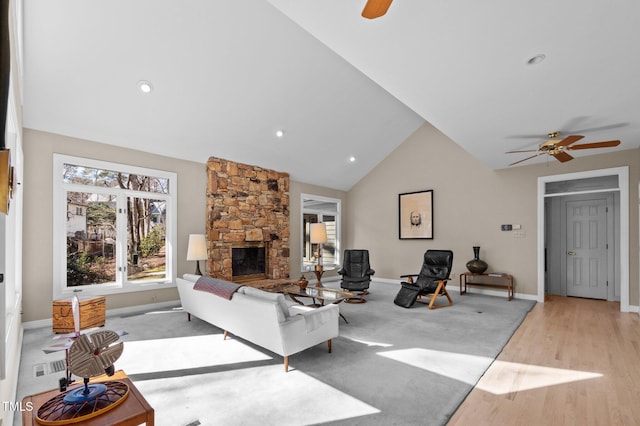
(623, 220)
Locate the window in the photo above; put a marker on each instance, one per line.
(114, 227)
(316, 209)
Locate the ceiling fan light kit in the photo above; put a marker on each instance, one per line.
(558, 147)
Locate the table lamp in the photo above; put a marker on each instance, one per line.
(318, 233)
(197, 250)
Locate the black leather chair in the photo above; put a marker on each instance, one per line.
(356, 271)
(431, 281)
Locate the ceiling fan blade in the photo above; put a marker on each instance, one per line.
(376, 8)
(562, 156)
(605, 144)
(525, 159)
(569, 140)
(525, 150)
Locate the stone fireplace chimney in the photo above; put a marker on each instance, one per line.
(246, 204)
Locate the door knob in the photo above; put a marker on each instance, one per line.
(572, 253)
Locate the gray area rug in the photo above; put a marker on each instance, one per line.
(390, 365)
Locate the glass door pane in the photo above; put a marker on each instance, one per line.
(146, 239)
(309, 251)
(91, 239)
(329, 248)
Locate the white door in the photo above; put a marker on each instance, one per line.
(586, 245)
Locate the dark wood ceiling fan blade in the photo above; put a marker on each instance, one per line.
(525, 159)
(569, 140)
(562, 156)
(605, 144)
(376, 8)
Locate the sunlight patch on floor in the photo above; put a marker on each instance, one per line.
(148, 356)
(506, 377)
(368, 343)
(462, 367)
(262, 395)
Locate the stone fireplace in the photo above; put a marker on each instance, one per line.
(247, 218)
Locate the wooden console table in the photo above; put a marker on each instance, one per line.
(487, 280)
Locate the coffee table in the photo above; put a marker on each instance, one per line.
(319, 295)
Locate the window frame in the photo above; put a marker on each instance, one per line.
(121, 284)
(337, 213)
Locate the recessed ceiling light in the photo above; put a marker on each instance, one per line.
(145, 86)
(352, 159)
(536, 59)
(279, 133)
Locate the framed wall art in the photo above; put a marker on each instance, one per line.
(415, 218)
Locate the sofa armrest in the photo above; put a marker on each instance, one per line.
(318, 317)
(191, 277)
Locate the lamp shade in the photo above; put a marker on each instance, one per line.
(197, 249)
(318, 233)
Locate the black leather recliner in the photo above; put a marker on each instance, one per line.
(356, 271)
(431, 281)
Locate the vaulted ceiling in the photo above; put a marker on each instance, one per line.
(226, 75)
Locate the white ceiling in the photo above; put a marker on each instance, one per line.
(227, 74)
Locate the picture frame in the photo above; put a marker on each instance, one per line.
(415, 215)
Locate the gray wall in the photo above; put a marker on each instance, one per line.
(192, 180)
(38, 212)
(470, 203)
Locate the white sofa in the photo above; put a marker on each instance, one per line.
(264, 318)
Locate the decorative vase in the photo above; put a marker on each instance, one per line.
(476, 265)
(302, 282)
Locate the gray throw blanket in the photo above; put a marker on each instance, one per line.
(221, 288)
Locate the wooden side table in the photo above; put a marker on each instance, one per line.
(133, 411)
(487, 280)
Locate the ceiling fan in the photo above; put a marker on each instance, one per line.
(376, 8)
(558, 147)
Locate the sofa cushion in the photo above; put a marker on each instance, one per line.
(275, 297)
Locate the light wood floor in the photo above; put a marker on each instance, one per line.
(571, 362)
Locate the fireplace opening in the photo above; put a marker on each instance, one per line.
(249, 262)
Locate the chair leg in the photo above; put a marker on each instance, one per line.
(286, 364)
(329, 345)
(440, 291)
(224, 335)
